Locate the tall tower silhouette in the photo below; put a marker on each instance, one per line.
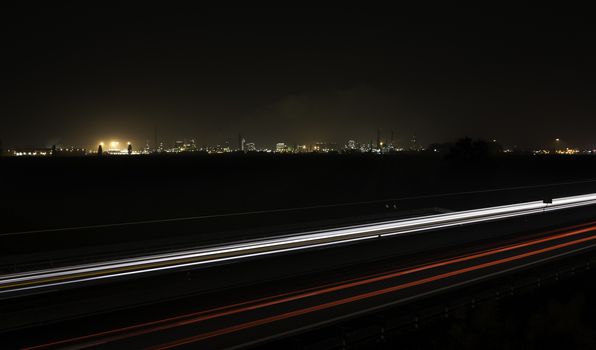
(155, 146)
(241, 142)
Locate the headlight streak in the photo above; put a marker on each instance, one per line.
(159, 262)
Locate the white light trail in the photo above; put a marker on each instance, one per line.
(242, 250)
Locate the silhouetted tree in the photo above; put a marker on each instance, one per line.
(54, 153)
(100, 151)
(440, 147)
(467, 148)
(129, 148)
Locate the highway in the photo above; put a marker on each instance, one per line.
(256, 318)
(12, 285)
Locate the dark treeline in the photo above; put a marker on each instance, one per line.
(467, 149)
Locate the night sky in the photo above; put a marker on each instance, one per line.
(78, 74)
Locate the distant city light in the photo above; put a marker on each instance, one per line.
(351, 146)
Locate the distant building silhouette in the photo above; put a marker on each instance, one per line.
(250, 147)
(281, 147)
(241, 142)
(155, 144)
(414, 146)
(325, 147)
(100, 150)
(129, 148)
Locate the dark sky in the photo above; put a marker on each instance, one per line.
(78, 74)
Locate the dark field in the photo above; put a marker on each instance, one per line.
(328, 190)
(54, 192)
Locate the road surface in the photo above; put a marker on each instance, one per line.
(69, 276)
(254, 320)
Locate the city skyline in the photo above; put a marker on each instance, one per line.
(380, 145)
(373, 137)
(299, 74)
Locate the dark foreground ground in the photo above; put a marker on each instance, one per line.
(561, 316)
(58, 192)
(556, 316)
(238, 196)
(291, 193)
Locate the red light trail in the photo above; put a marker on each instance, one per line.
(201, 316)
